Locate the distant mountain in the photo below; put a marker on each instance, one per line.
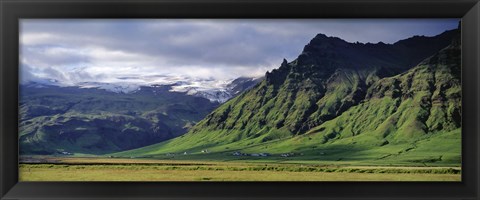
(345, 100)
(217, 91)
(99, 118)
(218, 94)
(78, 120)
(242, 84)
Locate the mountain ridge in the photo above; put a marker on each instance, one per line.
(93, 120)
(314, 79)
(303, 101)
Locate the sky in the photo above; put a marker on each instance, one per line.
(148, 51)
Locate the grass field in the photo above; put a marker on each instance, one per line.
(108, 169)
(440, 149)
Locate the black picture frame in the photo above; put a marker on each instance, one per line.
(13, 10)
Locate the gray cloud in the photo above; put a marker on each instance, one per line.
(100, 50)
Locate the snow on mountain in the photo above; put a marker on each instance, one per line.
(214, 90)
(43, 83)
(242, 83)
(113, 87)
(214, 95)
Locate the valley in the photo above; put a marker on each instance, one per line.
(97, 119)
(340, 111)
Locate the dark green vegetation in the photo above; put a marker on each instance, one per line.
(94, 121)
(363, 103)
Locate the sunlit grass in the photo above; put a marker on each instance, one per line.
(150, 170)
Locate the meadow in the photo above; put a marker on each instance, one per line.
(122, 169)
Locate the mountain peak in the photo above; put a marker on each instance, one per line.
(323, 43)
(337, 91)
(321, 38)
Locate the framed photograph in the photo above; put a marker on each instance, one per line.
(239, 99)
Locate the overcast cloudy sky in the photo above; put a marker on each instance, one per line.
(73, 51)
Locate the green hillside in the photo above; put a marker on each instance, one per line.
(339, 101)
(94, 121)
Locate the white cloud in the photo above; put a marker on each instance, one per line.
(73, 51)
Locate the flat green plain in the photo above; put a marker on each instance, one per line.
(108, 169)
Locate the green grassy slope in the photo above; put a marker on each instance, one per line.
(94, 121)
(323, 112)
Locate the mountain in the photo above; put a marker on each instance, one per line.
(215, 90)
(344, 101)
(98, 118)
(217, 94)
(241, 84)
(80, 120)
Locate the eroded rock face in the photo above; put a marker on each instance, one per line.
(329, 77)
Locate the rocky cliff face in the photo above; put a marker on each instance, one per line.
(423, 100)
(343, 101)
(329, 77)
